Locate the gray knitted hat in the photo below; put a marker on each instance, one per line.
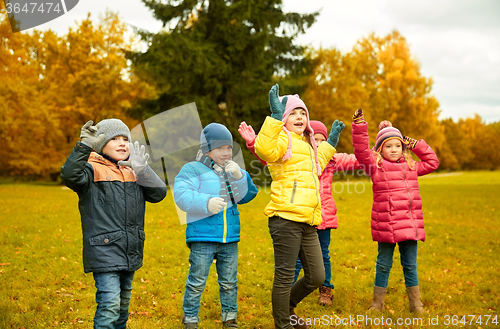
(110, 128)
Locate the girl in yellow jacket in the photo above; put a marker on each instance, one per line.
(286, 143)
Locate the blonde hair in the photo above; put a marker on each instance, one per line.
(406, 154)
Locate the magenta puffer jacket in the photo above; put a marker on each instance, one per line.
(339, 162)
(397, 206)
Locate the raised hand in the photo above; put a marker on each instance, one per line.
(89, 135)
(410, 142)
(246, 132)
(337, 128)
(277, 107)
(138, 159)
(233, 168)
(358, 116)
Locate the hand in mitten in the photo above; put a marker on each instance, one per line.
(410, 142)
(277, 107)
(246, 132)
(358, 116)
(337, 128)
(138, 159)
(89, 135)
(215, 205)
(233, 168)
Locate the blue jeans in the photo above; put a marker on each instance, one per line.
(201, 257)
(408, 251)
(324, 241)
(113, 298)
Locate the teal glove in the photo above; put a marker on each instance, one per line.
(89, 135)
(277, 107)
(337, 128)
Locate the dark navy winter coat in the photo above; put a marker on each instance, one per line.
(112, 203)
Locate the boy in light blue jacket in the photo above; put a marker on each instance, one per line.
(209, 190)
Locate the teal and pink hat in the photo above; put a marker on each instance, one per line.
(387, 132)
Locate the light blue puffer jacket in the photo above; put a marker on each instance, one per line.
(194, 186)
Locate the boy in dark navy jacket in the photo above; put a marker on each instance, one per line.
(209, 190)
(113, 182)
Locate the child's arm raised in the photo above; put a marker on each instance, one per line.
(270, 144)
(360, 141)
(249, 136)
(74, 173)
(428, 158)
(154, 188)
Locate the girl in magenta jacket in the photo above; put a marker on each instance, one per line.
(397, 215)
(339, 162)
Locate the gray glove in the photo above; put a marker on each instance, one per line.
(277, 107)
(233, 168)
(88, 135)
(215, 205)
(337, 128)
(138, 160)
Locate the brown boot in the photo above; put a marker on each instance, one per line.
(325, 296)
(378, 299)
(300, 323)
(414, 298)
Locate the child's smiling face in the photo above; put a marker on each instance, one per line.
(392, 150)
(221, 154)
(117, 148)
(297, 121)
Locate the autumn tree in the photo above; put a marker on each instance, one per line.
(54, 84)
(380, 76)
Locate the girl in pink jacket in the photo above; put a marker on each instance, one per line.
(339, 162)
(397, 215)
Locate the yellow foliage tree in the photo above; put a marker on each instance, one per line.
(54, 84)
(380, 76)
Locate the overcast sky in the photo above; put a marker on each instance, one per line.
(456, 42)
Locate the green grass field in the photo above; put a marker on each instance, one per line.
(42, 283)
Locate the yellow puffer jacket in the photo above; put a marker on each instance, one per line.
(295, 186)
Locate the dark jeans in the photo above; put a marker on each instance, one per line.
(324, 241)
(292, 239)
(114, 290)
(408, 251)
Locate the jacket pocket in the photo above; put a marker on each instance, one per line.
(105, 239)
(142, 235)
(293, 191)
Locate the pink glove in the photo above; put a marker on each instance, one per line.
(247, 132)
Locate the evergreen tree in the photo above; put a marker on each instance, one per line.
(224, 55)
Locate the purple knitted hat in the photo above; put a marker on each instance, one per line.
(387, 132)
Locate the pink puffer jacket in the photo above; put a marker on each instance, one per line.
(397, 206)
(340, 162)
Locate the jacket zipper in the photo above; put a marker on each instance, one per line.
(126, 216)
(315, 184)
(224, 236)
(293, 191)
(409, 195)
